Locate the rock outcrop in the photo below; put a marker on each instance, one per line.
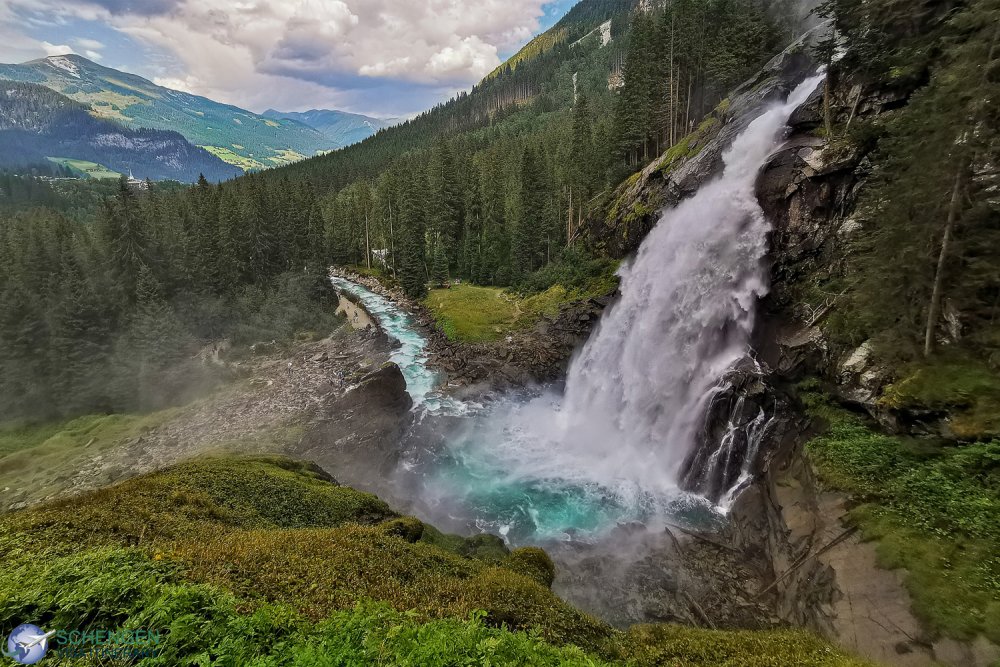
(536, 355)
(358, 433)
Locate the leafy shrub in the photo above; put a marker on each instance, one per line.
(576, 270)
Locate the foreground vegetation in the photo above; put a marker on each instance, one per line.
(933, 508)
(264, 561)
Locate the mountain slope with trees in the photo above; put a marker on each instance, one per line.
(236, 135)
(491, 186)
(495, 183)
(37, 123)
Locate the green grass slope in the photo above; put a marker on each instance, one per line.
(234, 134)
(85, 168)
(266, 561)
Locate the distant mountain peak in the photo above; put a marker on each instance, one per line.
(342, 127)
(67, 63)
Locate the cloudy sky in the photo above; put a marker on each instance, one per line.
(382, 57)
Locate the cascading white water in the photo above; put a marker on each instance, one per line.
(610, 449)
(637, 394)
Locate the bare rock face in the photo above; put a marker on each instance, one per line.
(357, 435)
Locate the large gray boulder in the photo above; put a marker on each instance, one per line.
(357, 434)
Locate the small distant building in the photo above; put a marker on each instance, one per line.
(135, 183)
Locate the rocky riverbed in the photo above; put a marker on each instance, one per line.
(275, 394)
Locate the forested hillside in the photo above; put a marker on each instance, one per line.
(107, 316)
(495, 184)
(490, 186)
(932, 198)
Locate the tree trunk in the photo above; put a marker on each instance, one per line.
(392, 241)
(368, 245)
(934, 311)
(827, 119)
(569, 220)
(670, 83)
(687, 112)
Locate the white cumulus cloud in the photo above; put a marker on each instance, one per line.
(292, 53)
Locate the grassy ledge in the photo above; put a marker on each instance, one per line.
(474, 314)
(266, 561)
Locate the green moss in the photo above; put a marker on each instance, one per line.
(932, 508)
(264, 561)
(690, 145)
(637, 211)
(448, 542)
(967, 389)
(693, 647)
(484, 547)
(534, 563)
(676, 153)
(409, 528)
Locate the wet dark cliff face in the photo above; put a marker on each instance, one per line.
(808, 190)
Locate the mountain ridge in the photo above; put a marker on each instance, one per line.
(235, 135)
(342, 127)
(38, 124)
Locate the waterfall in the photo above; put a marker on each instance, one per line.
(627, 441)
(637, 394)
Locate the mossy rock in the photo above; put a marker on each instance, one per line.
(484, 547)
(409, 528)
(532, 562)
